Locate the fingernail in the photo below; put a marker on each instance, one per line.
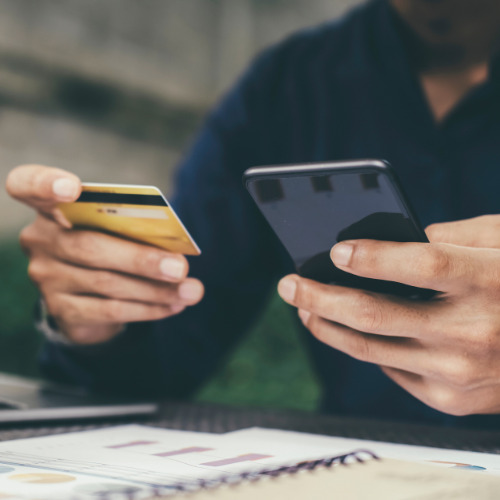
(287, 288)
(172, 268)
(341, 254)
(190, 291)
(304, 316)
(65, 188)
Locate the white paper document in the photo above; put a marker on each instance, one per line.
(136, 459)
(131, 458)
(456, 459)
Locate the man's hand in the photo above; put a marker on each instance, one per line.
(94, 283)
(446, 351)
(478, 232)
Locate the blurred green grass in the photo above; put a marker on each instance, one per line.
(269, 368)
(19, 342)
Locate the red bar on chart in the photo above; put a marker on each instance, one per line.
(132, 443)
(183, 451)
(249, 457)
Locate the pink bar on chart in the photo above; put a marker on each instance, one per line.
(183, 451)
(249, 457)
(132, 443)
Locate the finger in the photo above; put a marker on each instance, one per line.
(388, 351)
(358, 309)
(445, 398)
(483, 232)
(448, 365)
(96, 250)
(57, 277)
(441, 266)
(83, 310)
(437, 395)
(94, 334)
(42, 187)
(418, 386)
(86, 334)
(451, 372)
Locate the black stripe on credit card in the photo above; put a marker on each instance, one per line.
(122, 198)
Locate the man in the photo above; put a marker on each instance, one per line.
(412, 81)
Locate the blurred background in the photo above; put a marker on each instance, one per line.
(114, 91)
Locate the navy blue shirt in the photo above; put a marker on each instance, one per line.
(341, 91)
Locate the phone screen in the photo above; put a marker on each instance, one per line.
(310, 213)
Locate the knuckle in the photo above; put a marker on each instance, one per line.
(359, 348)
(37, 271)
(31, 237)
(26, 237)
(37, 179)
(436, 232)
(370, 317)
(113, 311)
(432, 262)
(78, 245)
(483, 339)
(104, 283)
(450, 401)
(306, 296)
(460, 372)
(364, 255)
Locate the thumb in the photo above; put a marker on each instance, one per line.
(43, 188)
(481, 232)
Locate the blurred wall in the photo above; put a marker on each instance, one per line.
(113, 90)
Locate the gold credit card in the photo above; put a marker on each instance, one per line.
(140, 213)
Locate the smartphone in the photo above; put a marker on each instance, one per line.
(139, 213)
(312, 207)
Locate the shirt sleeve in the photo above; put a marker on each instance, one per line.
(238, 266)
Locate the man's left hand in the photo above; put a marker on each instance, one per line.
(444, 351)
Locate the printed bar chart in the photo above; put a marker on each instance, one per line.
(249, 457)
(183, 451)
(129, 445)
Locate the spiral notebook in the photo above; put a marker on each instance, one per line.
(355, 476)
(136, 462)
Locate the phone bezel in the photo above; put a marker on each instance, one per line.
(355, 166)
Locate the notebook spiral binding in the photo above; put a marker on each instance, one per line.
(357, 456)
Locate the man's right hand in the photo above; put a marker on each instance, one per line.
(94, 283)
